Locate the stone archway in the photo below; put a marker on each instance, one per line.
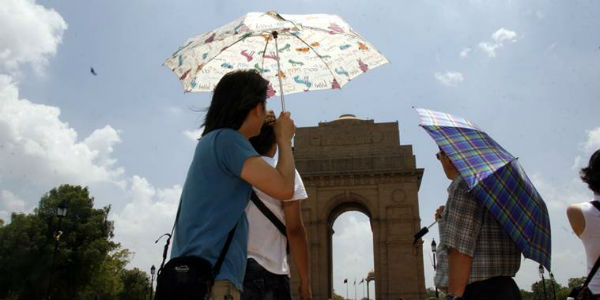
(353, 164)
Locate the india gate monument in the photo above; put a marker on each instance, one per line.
(351, 164)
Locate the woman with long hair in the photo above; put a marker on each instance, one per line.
(224, 168)
(585, 219)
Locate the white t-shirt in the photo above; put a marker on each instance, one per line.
(266, 244)
(591, 240)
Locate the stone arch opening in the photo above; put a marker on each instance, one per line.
(342, 204)
(352, 255)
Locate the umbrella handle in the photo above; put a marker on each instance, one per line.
(274, 33)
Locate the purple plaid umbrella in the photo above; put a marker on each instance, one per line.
(496, 178)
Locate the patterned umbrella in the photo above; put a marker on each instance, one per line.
(295, 53)
(496, 178)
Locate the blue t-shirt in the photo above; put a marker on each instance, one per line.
(213, 200)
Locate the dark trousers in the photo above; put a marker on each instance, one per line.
(261, 284)
(501, 287)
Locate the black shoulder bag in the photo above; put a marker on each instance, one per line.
(583, 292)
(271, 216)
(188, 277)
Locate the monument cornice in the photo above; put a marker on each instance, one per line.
(362, 177)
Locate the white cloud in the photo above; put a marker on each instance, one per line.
(464, 53)
(593, 140)
(501, 35)
(149, 213)
(29, 33)
(591, 144)
(40, 149)
(449, 78)
(352, 252)
(9, 203)
(489, 48)
(194, 134)
(499, 38)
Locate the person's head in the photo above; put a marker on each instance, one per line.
(238, 96)
(265, 141)
(591, 173)
(449, 168)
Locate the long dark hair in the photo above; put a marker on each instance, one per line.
(235, 95)
(591, 174)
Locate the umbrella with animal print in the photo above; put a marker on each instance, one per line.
(296, 53)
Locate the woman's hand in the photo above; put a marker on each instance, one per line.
(284, 128)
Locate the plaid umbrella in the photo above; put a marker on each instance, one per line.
(496, 178)
(296, 53)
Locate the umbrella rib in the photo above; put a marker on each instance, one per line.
(262, 64)
(319, 55)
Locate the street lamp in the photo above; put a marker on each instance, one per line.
(434, 251)
(541, 269)
(61, 212)
(152, 272)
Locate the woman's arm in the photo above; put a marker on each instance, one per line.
(298, 245)
(277, 182)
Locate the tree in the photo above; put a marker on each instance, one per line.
(430, 293)
(526, 295)
(336, 296)
(136, 285)
(538, 289)
(575, 282)
(86, 259)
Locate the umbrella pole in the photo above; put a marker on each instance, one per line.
(274, 33)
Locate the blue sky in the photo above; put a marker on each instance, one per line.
(526, 72)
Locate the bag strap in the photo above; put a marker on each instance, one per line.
(596, 204)
(217, 266)
(221, 258)
(270, 215)
(592, 272)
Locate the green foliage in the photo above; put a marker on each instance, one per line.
(336, 296)
(561, 291)
(575, 282)
(430, 294)
(136, 285)
(75, 255)
(526, 295)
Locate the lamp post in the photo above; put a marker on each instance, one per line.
(370, 277)
(434, 251)
(541, 268)
(152, 272)
(61, 212)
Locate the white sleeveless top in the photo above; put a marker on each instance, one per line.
(591, 240)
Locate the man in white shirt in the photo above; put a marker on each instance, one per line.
(267, 269)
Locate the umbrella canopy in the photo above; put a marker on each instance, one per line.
(495, 178)
(295, 53)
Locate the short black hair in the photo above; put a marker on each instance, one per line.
(234, 96)
(591, 173)
(263, 142)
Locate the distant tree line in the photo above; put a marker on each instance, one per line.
(44, 256)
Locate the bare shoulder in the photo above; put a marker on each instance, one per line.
(574, 209)
(576, 219)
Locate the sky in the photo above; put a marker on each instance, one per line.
(525, 71)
